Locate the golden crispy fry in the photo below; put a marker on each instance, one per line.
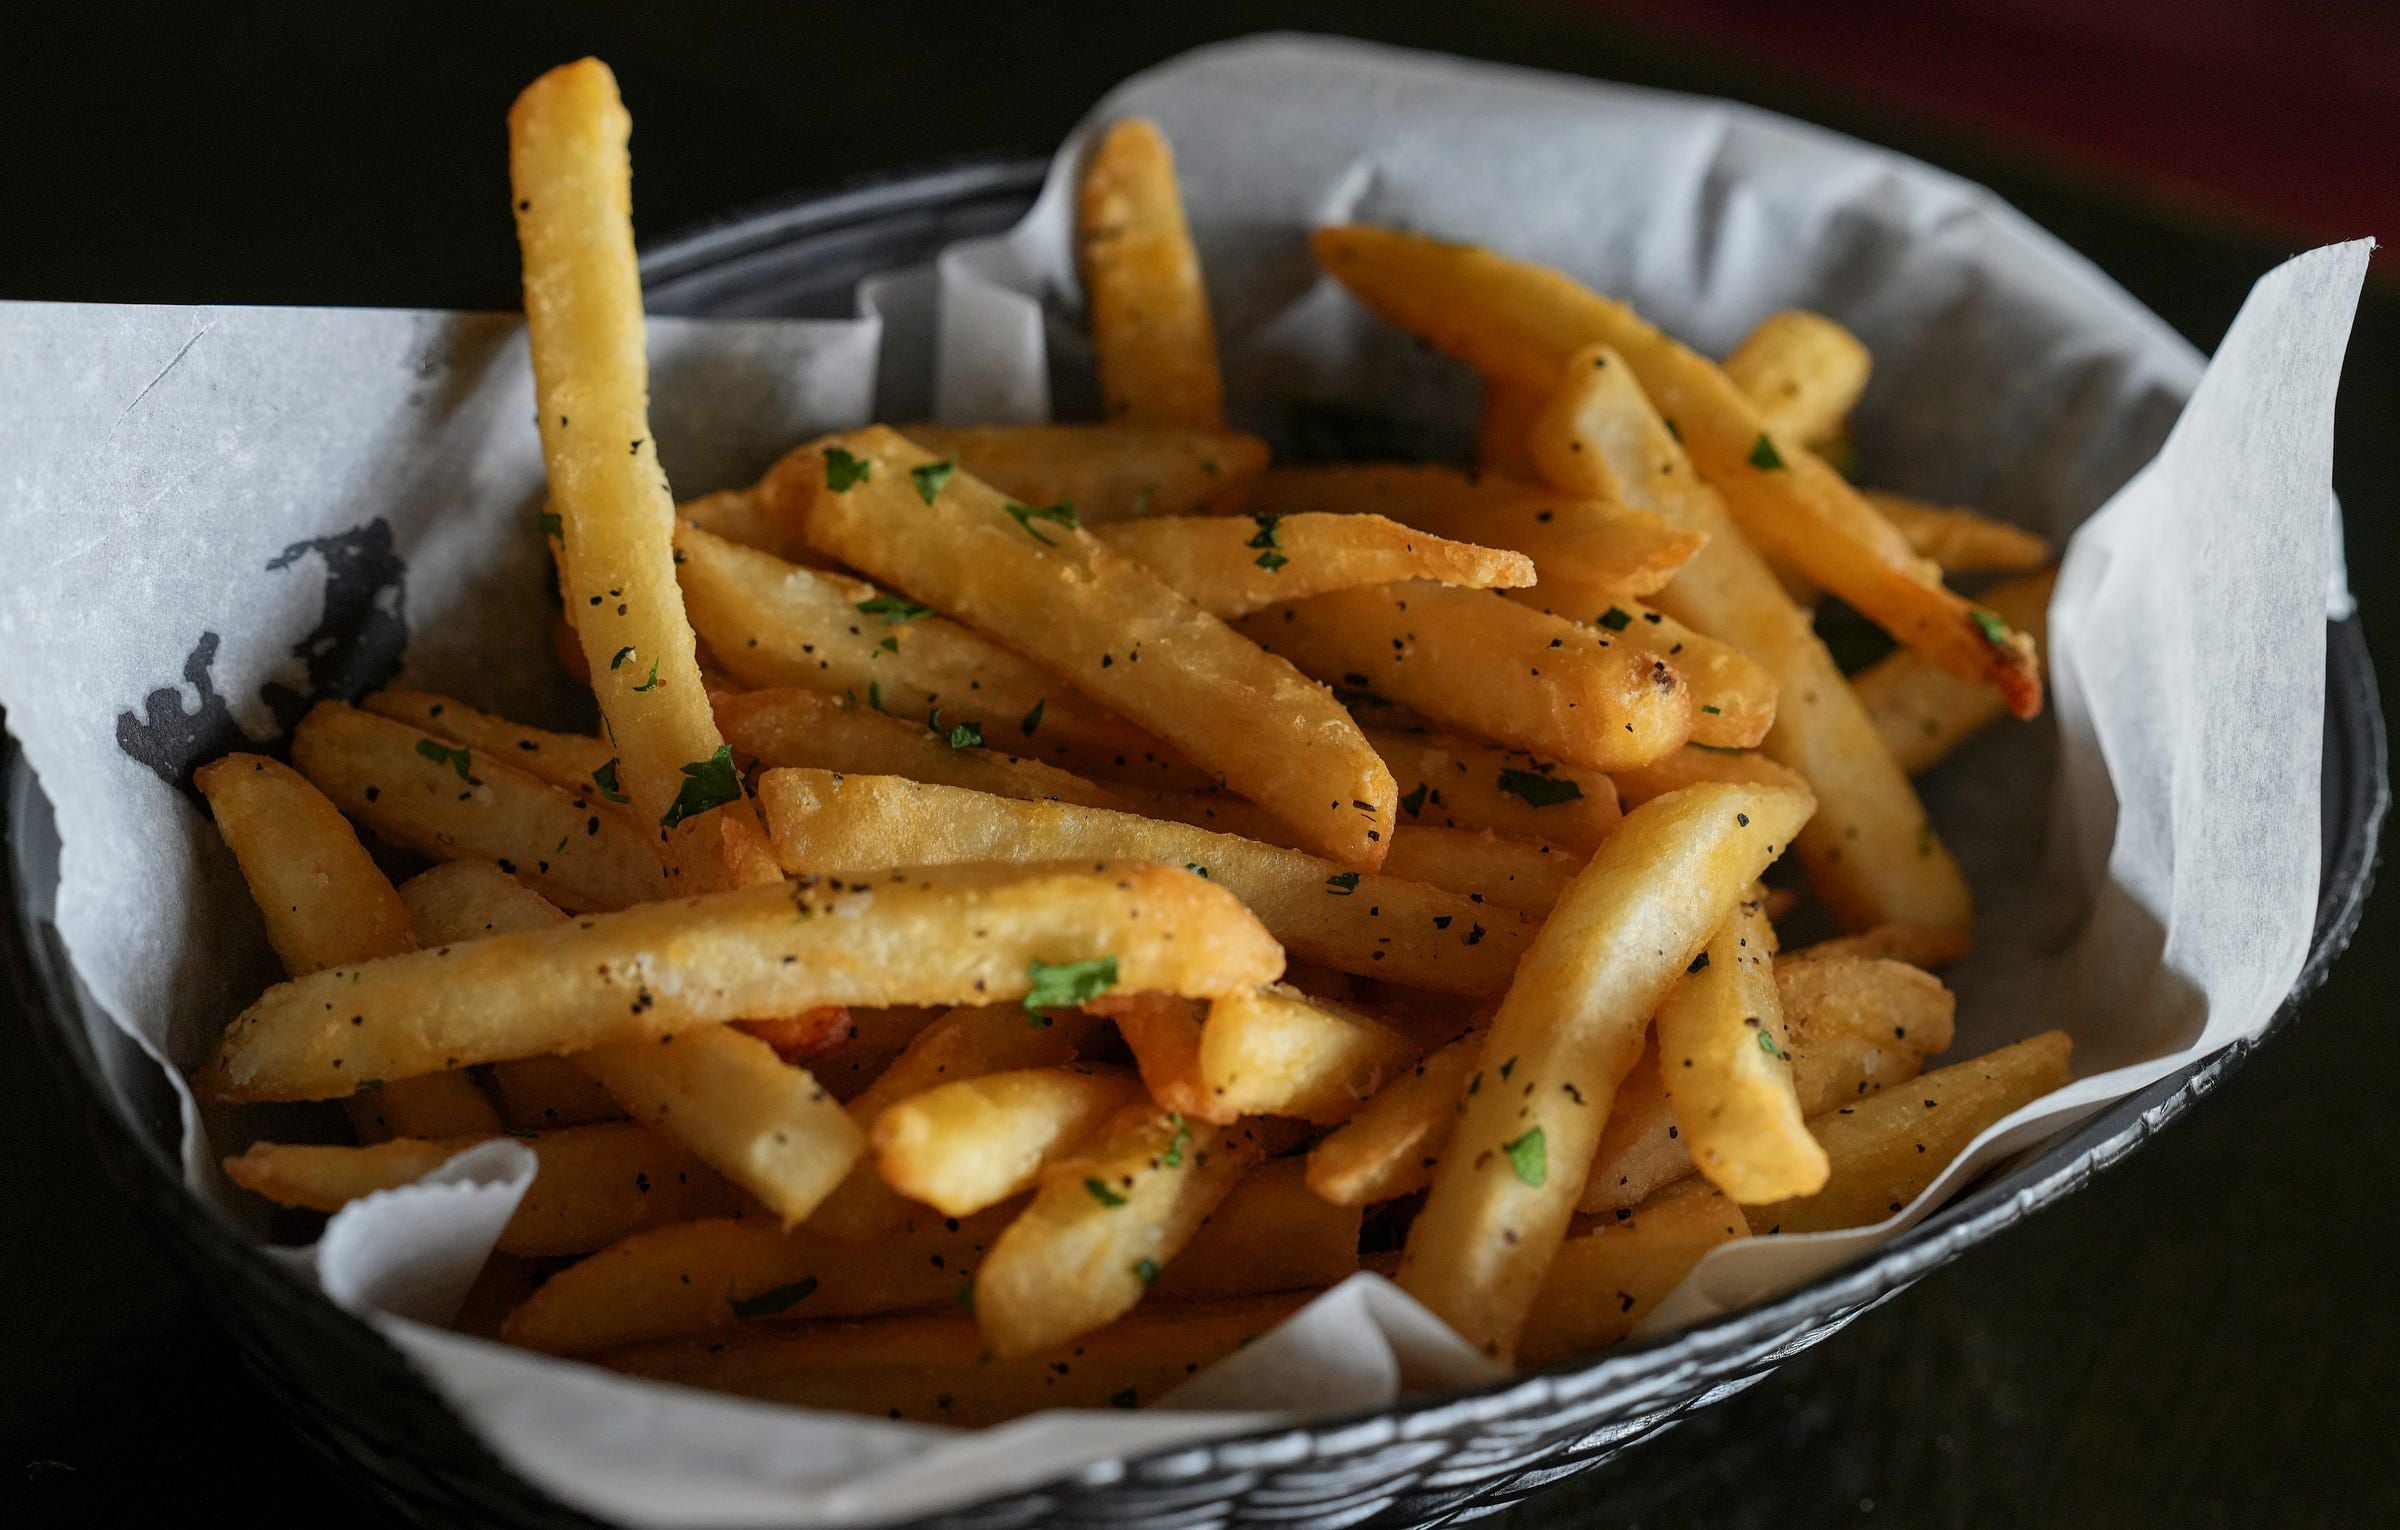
(1855, 1027)
(1725, 1059)
(1602, 1283)
(591, 1186)
(1152, 338)
(1886, 1149)
(1923, 713)
(1693, 764)
(829, 732)
(1053, 591)
(1163, 1034)
(1104, 1223)
(967, 932)
(1457, 783)
(940, 1370)
(572, 185)
(566, 760)
(1390, 1147)
(1476, 660)
(718, 1273)
(1276, 1051)
(1568, 1032)
(451, 801)
(1501, 444)
(1358, 922)
(1505, 872)
(1272, 1233)
(1107, 472)
(1525, 322)
(1963, 541)
(1733, 696)
(964, 1146)
(1234, 565)
(1930, 946)
(1871, 854)
(1583, 548)
(1802, 372)
(744, 517)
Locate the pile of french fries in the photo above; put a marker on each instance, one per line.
(1042, 902)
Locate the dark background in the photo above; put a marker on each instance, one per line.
(2203, 1337)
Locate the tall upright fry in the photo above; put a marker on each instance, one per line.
(573, 184)
(1151, 333)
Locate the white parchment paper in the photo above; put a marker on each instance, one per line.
(204, 505)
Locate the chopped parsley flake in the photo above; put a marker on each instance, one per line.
(1146, 1270)
(893, 609)
(1342, 883)
(1102, 1194)
(622, 655)
(1414, 802)
(651, 684)
(708, 784)
(1060, 514)
(440, 753)
(1064, 985)
(1195, 868)
(1173, 1156)
(1539, 790)
(1994, 630)
(1270, 559)
(605, 778)
(1764, 456)
(929, 478)
(1766, 1044)
(1615, 620)
(1529, 1155)
(844, 472)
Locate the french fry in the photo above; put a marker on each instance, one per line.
(1725, 1058)
(569, 761)
(1568, 1032)
(719, 1273)
(591, 1186)
(1390, 1147)
(1275, 1051)
(743, 517)
(1162, 1032)
(959, 933)
(1474, 659)
(1923, 713)
(1871, 853)
(873, 1042)
(1854, 1027)
(572, 184)
(1930, 946)
(1052, 590)
(1104, 1223)
(1603, 1283)
(1271, 1233)
(326, 903)
(1501, 430)
(1693, 764)
(1353, 921)
(1524, 874)
(1152, 338)
(968, 1145)
(545, 1093)
(1456, 783)
(1107, 472)
(776, 624)
(829, 732)
(1963, 541)
(1232, 566)
(1584, 548)
(1802, 372)
(1733, 696)
(450, 801)
(1886, 1149)
(939, 1369)
(1525, 323)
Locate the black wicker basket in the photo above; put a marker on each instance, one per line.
(1425, 1460)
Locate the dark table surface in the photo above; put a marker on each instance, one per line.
(2203, 1337)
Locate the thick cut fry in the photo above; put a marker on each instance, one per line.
(1456, 783)
(772, 623)
(829, 732)
(1871, 853)
(1272, 1233)
(1524, 874)
(1582, 547)
(969, 932)
(717, 1273)
(544, 1093)
(1922, 713)
(975, 1143)
(1524, 322)
(1152, 338)
(1104, 1223)
(1352, 921)
(1476, 660)
(591, 1185)
(1885, 1150)
(1275, 1051)
(1163, 1034)
(567, 760)
(1053, 591)
(1501, 444)
(1733, 696)
(940, 1370)
(1390, 1147)
(1964, 541)
(1107, 472)
(1855, 1027)
(450, 801)
(1232, 566)
(1603, 1283)
(572, 184)
(1802, 372)
(1725, 1058)
(1568, 1032)
(743, 516)
(1930, 946)
(1693, 764)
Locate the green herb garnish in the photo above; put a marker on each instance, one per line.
(605, 778)
(1764, 456)
(651, 684)
(893, 609)
(1270, 560)
(1615, 620)
(1173, 1156)
(707, 784)
(1102, 1194)
(929, 479)
(459, 760)
(1060, 514)
(1342, 883)
(1529, 1155)
(1539, 790)
(1414, 802)
(1064, 985)
(1994, 630)
(844, 472)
